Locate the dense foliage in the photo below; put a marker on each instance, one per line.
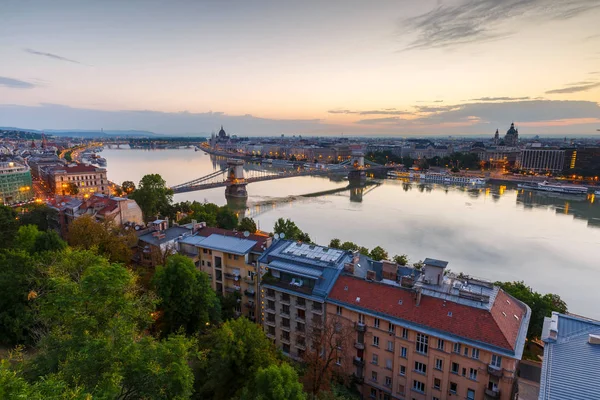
(153, 196)
(290, 230)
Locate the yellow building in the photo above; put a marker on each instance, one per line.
(230, 259)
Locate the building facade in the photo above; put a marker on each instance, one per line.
(230, 259)
(88, 179)
(15, 183)
(295, 280)
(437, 338)
(541, 160)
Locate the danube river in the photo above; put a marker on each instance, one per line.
(497, 232)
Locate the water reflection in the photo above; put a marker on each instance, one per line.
(583, 208)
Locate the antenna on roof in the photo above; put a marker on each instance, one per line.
(276, 236)
(281, 235)
(246, 233)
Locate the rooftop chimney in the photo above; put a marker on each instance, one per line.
(594, 339)
(418, 296)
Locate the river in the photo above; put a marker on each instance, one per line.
(497, 232)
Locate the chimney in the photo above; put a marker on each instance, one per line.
(418, 296)
(349, 268)
(594, 339)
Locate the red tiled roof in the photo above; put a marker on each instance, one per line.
(260, 240)
(79, 168)
(490, 327)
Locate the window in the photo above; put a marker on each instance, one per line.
(374, 376)
(439, 364)
(203, 263)
(473, 374)
(457, 347)
(361, 319)
(475, 354)
(338, 310)
(208, 264)
(390, 327)
(229, 256)
(388, 381)
(204, 251)
(437, 383)
(375, 359)
(376, 322)
(419, 386)
(390, 346)
(235, 257)
(466, 353)
(373, 393)
(376, 341)
(422, 341)
(464, 372)
(404, 333)
(496, 361)
(470, 394)
(403, 370)
(388, 363)
(420, 367)
(400, 389)
(455, 368)
(435, 398)
(440, 345)
(453, 387)
(338, 361)
(285, 309)
(271, 305)
(403, 352)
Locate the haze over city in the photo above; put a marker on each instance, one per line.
(311, 68)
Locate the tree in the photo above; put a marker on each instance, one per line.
(187, 300)
(350, 246)
(25, 238)
(128, 187)
(541, 305)
(48, 241)
(335, 243)
(236, 351)
(228, 304)
(378, 253)
(112, 240)
(247, 224)
(226, 218)
(16, 316)
(8, 226)
(153, 196)
(71, 189)
(401, 259)
(40, 215)
(276, 382)
(290, 230)
(331, 343)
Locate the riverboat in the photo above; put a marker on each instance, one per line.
(554, 187)
(446, 179)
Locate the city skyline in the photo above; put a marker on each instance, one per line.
(266, 68)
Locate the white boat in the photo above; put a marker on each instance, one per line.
(554, 187)
(436, 177)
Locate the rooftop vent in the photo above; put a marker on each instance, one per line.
(516, 317)
(400, 302)
(358, 299)
(508, 301)
(346, 288)
(503, 313)
(594, 339)
(449, 313)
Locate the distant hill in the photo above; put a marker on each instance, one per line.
(82, 133)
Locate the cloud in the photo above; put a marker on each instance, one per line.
(385, 111)
(433, 109)
(500, 98)
(15, 83)
(474, 21)
(378, 121)
(580, 87)
(50, 55)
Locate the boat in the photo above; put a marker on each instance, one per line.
(597, 192)
(554, 187)
(446, 179)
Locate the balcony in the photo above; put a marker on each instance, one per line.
(231, 289)
(250, 304)
(270, 322)
(316, 310)
(270, 294)
(284, 313)
(492, 393)
(360, 327)
(232, 277)
(359, 345)
(285, 299)
(249, 280)
(285, 339)
(270, 335)
(286, 327)
(269, 309)
(300, 344)
(300, 318)
(249, 293)
(358, 361)
(495, 371)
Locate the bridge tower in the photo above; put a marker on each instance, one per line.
(236, 183)
(357, 176)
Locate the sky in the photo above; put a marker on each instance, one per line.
(402, 67)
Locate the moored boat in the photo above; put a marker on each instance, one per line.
(554, 187)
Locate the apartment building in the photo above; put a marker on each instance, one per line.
(437, 337)
(230, 259)
(295, 280)
(88, 179)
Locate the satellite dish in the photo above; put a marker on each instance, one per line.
(246, 233)
(281, 235)
(276, 236)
